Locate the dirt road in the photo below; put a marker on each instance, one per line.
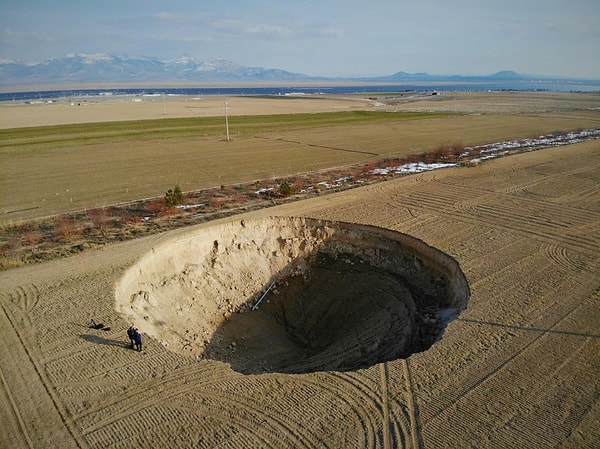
(518, 368)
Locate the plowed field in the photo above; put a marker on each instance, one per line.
(518, 368)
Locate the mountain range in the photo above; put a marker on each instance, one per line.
(105, 68)
(108, 68)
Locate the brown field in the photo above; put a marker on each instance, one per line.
(123, 109)
(94, 167)
(518, 368)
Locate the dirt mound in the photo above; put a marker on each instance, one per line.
(294, 295)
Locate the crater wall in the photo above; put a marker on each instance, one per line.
(291, 294)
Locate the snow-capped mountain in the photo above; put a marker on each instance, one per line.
(97, 68)
(101, 67)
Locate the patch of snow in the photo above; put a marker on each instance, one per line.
(343, 179)
(190, 206)
(413, 167)
(497, 149)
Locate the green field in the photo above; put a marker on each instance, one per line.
(52, 170)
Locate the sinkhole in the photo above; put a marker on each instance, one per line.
(293, 295)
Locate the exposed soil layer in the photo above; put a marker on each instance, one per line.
(294, 295)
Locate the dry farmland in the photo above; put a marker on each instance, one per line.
(517, 368)
(52, 170)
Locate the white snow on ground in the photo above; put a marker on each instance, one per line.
(264, 191)
(493, 150)
(413, 167)
(190, 206)
(474, 155)
(502, 148)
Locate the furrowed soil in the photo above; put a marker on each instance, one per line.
(517, 368)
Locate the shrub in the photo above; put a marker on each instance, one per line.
(216, 202)
(68, 230)
(99, 219)
(173, 197)
(32, 239)
(298, 185)
(285, 189)
(11, 249)
(156, 207)
(239, 198)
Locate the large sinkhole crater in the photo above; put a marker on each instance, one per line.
(293, 295)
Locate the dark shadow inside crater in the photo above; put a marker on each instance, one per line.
(346, 311)
(294, 295)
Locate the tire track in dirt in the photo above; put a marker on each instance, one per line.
(141, 391)
(266, 438)
(135, 427)
(26, 299)
(60, 418)
(277, 396)
(481, 244)
(519, 286)
(55, 324)
(555, 377)
(415, 430)
(387, 443)
(528, 289)
(86, 348)
(535, 394)
(405, 410)
(539, 214)
(330, 382)
(546, 227)
(546, 213)
(555, 178)
(91, 349)
(153, 411)
(377, 398)
(15, 411)
(478, 381)
(587, 198)
(397, 419)
(296, 433)
(514, 279)
(140, 402)
(361, 393)
(59, 350)
(560, 256)
(538, 203)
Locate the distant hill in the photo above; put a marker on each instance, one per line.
(426, 77)
(74, 69)
(90, 68)
(507, 75)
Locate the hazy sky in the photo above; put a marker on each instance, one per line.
(319, 37)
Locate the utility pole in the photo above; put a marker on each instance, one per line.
(227, 120)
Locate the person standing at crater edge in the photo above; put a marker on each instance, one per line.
(130, 334)
(138, 340)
